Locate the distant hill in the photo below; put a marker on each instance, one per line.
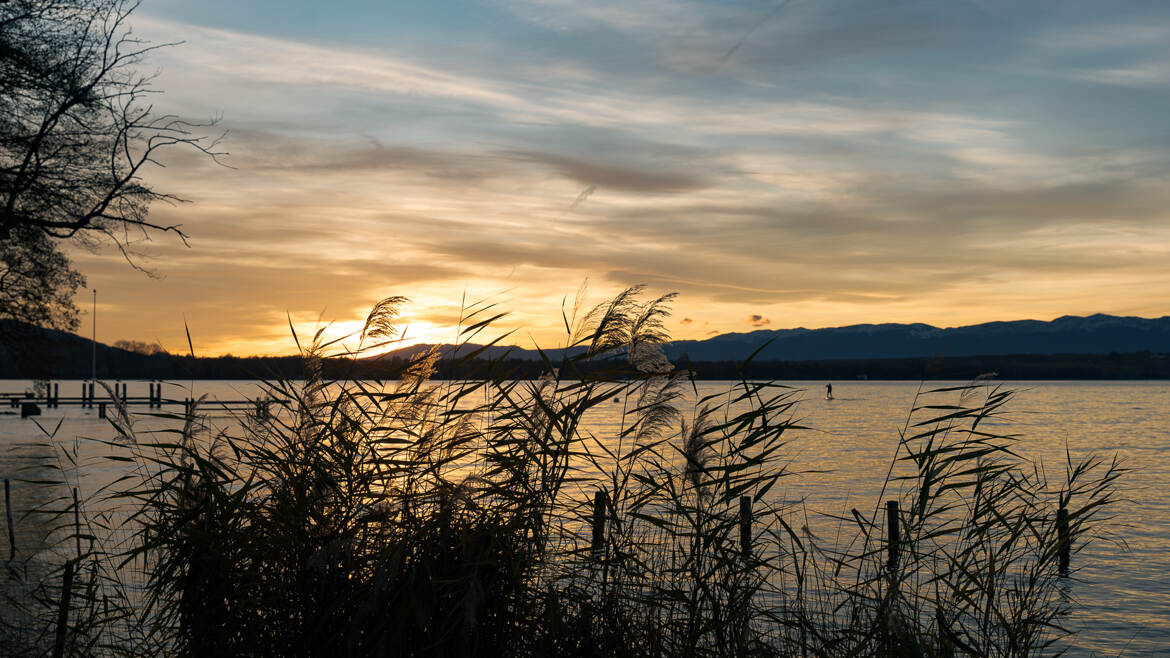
(1095, 334)
(1066, 348)
(27, 352)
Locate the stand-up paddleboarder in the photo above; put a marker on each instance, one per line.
(828, 391)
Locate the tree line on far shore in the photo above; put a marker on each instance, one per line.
(73, 359)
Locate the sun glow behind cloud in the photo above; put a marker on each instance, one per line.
(845, 165)
(346, 337)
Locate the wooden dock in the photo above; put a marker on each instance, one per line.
(100, 398)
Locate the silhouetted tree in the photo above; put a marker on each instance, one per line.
(140, 347)
(37, 282)
(76, 129)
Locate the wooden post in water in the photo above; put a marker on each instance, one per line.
(1064, 543)
(893, 545)
(599, 501)
(8, 513)
(893, 535)
(745, 526)
(77, 523)
(946, 648)
(56, 395)
(101, 410)
(63, 610)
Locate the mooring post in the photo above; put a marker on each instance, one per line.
(599, 501)
(92, 395)
(745, 526)
(894, 534)
(77, 522)
(8, 513)
(56, 395)
(945, 645)
(63, 610)
(101, 410)
(1062, 538)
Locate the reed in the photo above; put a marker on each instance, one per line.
(412, 517)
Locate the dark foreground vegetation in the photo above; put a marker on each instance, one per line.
(488, 517)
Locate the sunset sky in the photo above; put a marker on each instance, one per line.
(810, 163)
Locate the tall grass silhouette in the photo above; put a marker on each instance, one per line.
(489, 516)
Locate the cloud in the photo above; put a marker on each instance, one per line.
(686, 321)
(615, 175)
(757, 320)
(848, 161)
(1154, 75)
(583, 196)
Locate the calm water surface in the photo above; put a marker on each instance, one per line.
(1124, 589)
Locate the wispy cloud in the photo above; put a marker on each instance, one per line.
(850, 163)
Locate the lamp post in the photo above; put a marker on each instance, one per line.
(93, 372)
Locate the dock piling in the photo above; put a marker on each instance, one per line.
(745, 526)
(63, 610)
(894, 535)
(77, 522)
(1064, 542)
(11, 525)
(599, 502)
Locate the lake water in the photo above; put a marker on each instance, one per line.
(1124, 590)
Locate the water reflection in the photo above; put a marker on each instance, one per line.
(1119, 580)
